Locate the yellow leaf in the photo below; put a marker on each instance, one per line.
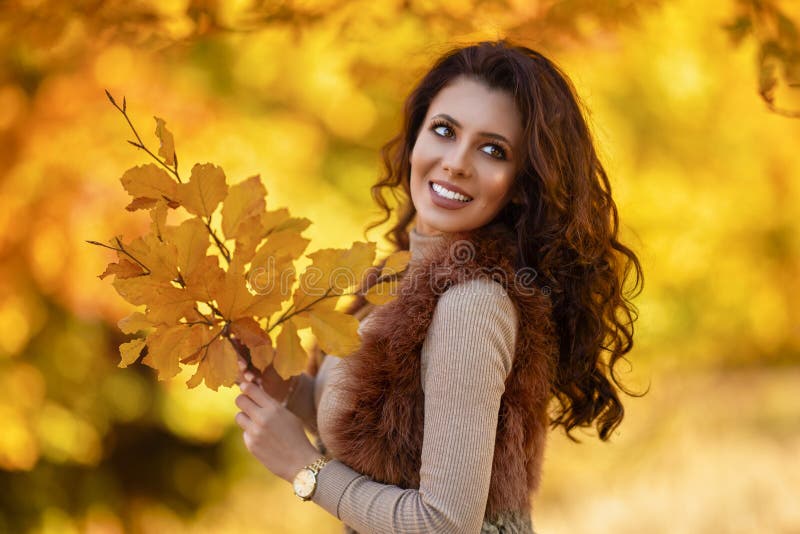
(191, 239)
(383, 292)
(141, 203)
(206, 280)
(249, 332)
(166, 346)
(290, 356)
(336, 332)
(205, 190)
(333, 272)
(279, 220)
(396, 263)
(150, 181)
(133, 323)
(166, 303)
(167, 148)
(158, 216)
(122, 269)
(160, 257)
(233, 296)
(130, 351)
(221, 365)
(244, 202)
(272, 273)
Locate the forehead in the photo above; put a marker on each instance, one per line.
(477, 107)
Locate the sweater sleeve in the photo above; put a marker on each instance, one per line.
(466, 358)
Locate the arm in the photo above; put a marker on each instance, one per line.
(466, 358)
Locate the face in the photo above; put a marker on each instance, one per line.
(466, 157)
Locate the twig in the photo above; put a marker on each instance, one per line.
(140, 144)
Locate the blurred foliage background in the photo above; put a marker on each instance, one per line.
(692, 106)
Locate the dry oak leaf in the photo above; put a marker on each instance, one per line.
(290, 356)
(243, 207)
(219, 366)
(192, 240)
(167, 148)
(279, 220)
(332, 272)
(168, 345)
(249, 332)
(149, 182)
(130, 352)
(165, 302)
(205, 190)
(133, 323)
(337, 332)
(123, 269)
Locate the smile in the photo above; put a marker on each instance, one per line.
(446, 193)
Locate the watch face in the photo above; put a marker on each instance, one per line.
(304, 483)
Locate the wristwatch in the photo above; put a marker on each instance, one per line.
(305, 481)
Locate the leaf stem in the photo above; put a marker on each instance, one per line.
(140, 144)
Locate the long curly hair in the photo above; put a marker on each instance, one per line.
(565, 219)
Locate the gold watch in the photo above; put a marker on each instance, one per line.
(305, 481)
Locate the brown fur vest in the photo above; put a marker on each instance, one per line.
(379, 430)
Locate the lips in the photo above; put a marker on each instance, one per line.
(444, 202)
(453, 188)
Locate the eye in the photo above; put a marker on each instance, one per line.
(496, 151)
(442, 129)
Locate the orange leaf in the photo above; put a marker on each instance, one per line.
(166, 346)
(219, 367)
(166, 303)
(383, 292)
(333, 271)
(290, 356)
(257, 340)
(205, 190)
(123, 269)
(141, 203)
(191, 240)
(337, 332)
(206, 279)
(158, 217)
(133, 323)
(130, 352)
(150, 181)
(396, 263)
(244, 202)
(167, 148)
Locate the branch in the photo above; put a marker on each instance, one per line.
(140, 144)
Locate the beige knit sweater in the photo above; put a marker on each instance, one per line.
(466, 357)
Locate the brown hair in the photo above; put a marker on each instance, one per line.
(566, 221)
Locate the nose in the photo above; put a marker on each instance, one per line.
(456, 161)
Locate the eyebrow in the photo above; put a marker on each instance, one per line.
(484, 134)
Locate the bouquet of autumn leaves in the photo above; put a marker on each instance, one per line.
(217, 285)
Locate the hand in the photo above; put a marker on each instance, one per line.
(272, 434)
(269, 380)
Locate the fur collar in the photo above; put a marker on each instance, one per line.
(379, 429)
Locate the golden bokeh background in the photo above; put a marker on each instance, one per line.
(304, 93)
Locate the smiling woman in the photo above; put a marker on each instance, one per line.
(463, 165)
(509, 320)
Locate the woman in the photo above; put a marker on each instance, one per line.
(512, 304)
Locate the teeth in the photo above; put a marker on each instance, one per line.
(449, 194)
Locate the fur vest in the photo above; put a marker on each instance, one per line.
(379, 430)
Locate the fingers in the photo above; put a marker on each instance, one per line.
(246, 372)
(257, 394)
(248, 406)
(244, 422)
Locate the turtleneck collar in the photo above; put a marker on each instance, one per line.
(422, 245)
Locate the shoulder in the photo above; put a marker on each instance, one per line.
(485, 300)
(475, 319)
